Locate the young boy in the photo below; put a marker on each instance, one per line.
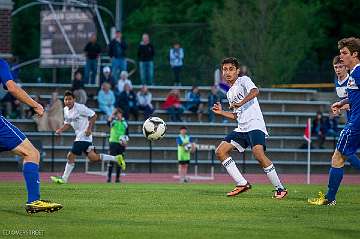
(14, 140)
(185, 147)
(341, 81)
(251, 130)
(119, 137)
(349, 140)
(82, 120)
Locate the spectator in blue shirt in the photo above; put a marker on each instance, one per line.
(193, 102)
(176, 61)
(106, 99)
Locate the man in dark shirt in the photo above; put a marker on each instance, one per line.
(117, 48)
(92, 51)
(146, 60)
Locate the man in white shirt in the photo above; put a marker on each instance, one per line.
(82, 120)
(251, 130)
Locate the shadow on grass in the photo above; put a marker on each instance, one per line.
(14, 212)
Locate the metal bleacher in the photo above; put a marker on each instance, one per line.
(285, 112)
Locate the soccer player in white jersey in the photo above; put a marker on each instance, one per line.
(251, 130)
(82, 119)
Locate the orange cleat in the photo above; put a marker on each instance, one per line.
(280, 193)
(239, 189)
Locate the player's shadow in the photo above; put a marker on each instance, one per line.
(12, 211)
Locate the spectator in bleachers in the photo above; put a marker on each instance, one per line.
(55, 112)
(92, 51)
(42, 123)
(146, 60)
(127, 101)
(106, 76)
(11, 107)
(193, 102)
(173, 105)
(318, 129)
(220, 82)
(117, 49)
(144, 98)
(244, 70)
(78, 88)
(123, 81)
(331, 125)
(213, 97)
(106, 99)
(177, 61)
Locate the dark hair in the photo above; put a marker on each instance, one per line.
(69, 93)
(337, 60)
(351, 43)
(118, 110)
(231, 60)
(183, 127)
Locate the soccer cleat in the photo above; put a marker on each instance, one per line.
(280, 193)
(42, 206)
(321, 200)
(121, 161)
(239, 189)
(57, 179)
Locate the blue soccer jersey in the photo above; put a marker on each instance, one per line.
(10, 136)
(341, 91)
(349, 140)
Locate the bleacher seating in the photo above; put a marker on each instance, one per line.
(285, 112)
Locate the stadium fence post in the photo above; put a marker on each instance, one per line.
(196, 162)
(52, 151)
(243, 162)
(150, 156)
(212, 162)
(104, 136)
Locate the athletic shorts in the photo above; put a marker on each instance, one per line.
(184, 161)
(80, 147)
(10, 135)
(348, 142)
(116, 149)
(242, 140)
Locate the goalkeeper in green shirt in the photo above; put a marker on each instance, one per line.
(119, 137)
(185, 146)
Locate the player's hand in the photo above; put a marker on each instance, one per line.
(88, 132)
(58, 131)
(39, 110)
(335, 108)
(234, 106)
(345, 107)
(217, 108)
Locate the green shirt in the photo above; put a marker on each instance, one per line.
(118, 129)
(183, 155)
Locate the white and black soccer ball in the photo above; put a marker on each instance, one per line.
(154, 128)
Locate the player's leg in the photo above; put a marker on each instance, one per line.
(256, 140)
(354, 161)
(31, 158)
(110, 169)
(69, 167)
(93, 156)
(223, 154)
(336, 174)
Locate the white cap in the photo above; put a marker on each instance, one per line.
(106, 69)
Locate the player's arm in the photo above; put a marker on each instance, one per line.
(23, 97)
(217, 109)
(92, 121)
(252, 94)
(338, 105)
(65, 127)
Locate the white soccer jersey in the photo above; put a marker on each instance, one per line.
(78, 118)
(249, 116)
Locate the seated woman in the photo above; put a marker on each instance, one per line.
(106, 99)
(173, 105)
(193, 102)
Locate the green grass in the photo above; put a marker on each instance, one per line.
(180, 211)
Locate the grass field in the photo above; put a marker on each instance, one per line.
(179, 211)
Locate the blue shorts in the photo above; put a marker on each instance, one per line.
(348, 142)
(10, 136)
(242, 140)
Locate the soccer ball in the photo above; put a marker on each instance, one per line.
(154, 128)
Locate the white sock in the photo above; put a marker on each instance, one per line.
(273, 177)
(233, 171)
(107, 158)
(68, 169)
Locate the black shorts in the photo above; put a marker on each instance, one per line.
(116, 149)
(80, 147)
(242, 140)
(184, 161)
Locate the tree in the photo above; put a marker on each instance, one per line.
(270, 36)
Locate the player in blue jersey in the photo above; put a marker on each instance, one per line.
(341, 81)
(12, 139)
(349, 140)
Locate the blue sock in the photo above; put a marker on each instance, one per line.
(354, 161)
(335, 177)
(31, 175)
